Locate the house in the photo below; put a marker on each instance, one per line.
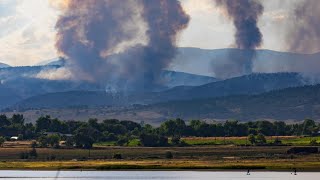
(14, 138)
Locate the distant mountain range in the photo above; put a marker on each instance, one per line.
(291, 104)
(22, 82)
(245, 85)
(22, 90)
(288, 104)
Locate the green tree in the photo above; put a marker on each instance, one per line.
(153, 140)
(252, 139)
(85, 136)
(4, 121)
(17, 119)
(43, 141)
(176, 140)
(53, 140)
(261, 139)
(173, 127)
(2, 140)
(266, 128)
(280, 128)
(308, 127)
(43, 124)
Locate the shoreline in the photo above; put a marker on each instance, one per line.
(160, 165)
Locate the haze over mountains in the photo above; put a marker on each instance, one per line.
(23, 91)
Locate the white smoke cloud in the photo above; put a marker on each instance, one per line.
(54, 74)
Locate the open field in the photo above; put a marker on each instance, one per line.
(211, 158)
(204, 153)
(213, 141)
(279, 165)
(139, 153)
(286, 140)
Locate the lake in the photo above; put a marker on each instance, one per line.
(162, 175)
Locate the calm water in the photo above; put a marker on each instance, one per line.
(171, 175)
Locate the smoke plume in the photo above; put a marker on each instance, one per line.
(304, 33)
(124, 44)
(245, 15)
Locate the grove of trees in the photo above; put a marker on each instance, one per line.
(85, 134)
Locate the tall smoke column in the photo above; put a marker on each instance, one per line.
(91, 32)
(165, 19)
(304, 34)
(245, 15)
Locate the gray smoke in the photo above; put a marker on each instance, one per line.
(245, 15)
(304, 33)
(124, 44)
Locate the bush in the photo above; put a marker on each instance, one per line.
(33, 153)
(252, 139)
(313, 142)
(169, 155)
(277, 141)
(24, 155)
(123, 140)
(117, 156)
(176, 140)
(34, 144)
(2, 140)
(51, 158)
(261, 139)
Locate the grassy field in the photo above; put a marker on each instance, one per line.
(205, 153)
(286, 140)
(213, 141)
(280, 165)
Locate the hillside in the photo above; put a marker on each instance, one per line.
(24, 83)
(8, 97)
(2, 65)
(246, 85)
(288, 104)
(249, 84)
(291, 104)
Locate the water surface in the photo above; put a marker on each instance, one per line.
(157, 175)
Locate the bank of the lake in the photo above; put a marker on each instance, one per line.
(185, 164)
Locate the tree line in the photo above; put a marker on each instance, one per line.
(49, 132)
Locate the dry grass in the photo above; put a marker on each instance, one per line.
(166, 164)
(212, 157)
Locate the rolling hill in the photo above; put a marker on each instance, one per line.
(2, 65)
(24, 83)
(288, 104)
(291, 104)
(245, 85)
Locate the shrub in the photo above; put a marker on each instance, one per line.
(117, 156)
(277, 141)
(33, 153)
(24, 155)
(169, 155)
(252, 139)
(176, 140)
(34, 144)
(261, 139)
(313, 142)
(2, 140)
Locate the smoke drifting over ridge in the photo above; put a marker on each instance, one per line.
(245, 15)
(124, 44)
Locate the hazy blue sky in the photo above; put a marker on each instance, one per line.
(27, 33)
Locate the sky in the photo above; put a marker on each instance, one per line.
(27, 28)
